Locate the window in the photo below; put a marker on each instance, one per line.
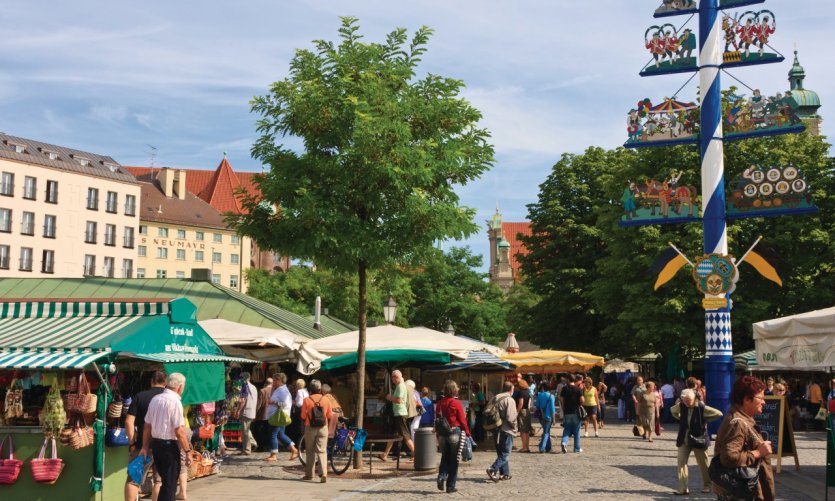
(130, 205)
(5, 252)
(233, 281)
(6, 220)
(162, 252)
(90, 234)
(162, 232)
(25, 259)
(93, 198)
(53, 155)
(48, 263)
(216, 278)
(234, 259)
(162, 274)
(7, 184)
(49, 226)
(181, 234)
(140, 273)
(143, 251)
(89, 265)
(30, 188)
(181, 254)
(109, 264)
(128, 239)
(198, 256)
(216, 257)
(143, 229)
(127, 268)
(181, 274)
(112, 202)
(198, 235)
(218, 238)
(27, 223)
(235, 239)
(52, 192)
(18, 148)
(84, 162)
(110, 234)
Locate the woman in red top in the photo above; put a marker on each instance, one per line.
(450, 408)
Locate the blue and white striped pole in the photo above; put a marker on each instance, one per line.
(719, 365)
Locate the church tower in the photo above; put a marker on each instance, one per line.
(501, 272)
(804, 102)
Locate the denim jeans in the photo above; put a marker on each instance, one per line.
(545, 443)
(448, 469)
(572, 427)
(277, 435)
(503, 446)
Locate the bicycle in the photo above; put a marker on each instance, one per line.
(340, 448)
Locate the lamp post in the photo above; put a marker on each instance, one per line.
(390, 310)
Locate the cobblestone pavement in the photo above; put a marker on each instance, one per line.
(614, 466)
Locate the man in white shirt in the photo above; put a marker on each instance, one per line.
(165, 434)
(245, 412)
(668, 393)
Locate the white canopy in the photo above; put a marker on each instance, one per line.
(390, 337)
(257, 343)
(618, 365)
(800, 342)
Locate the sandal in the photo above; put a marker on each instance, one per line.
(382, 458)
(677, 493)
(505, 477)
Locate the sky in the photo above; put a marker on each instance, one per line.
(173, 80)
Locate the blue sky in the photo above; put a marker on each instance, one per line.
(550, 76)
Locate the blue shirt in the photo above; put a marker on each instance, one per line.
(428, 417)
(545, 405)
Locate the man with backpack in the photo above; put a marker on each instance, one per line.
(316, 411)
(501, 413)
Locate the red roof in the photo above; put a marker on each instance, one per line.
(216, 187)
(510, 232)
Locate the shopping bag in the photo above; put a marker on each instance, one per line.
(137, 467)
(116, 437)
(47, 470)
(9, 468)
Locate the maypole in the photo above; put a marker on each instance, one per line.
(719, 364)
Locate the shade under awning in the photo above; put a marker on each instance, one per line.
(49, 359)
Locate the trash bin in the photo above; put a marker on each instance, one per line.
(426, 447)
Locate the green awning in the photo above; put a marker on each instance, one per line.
(746, 359)
(205, 381)
(49, 359)
(402, 357)
(187, 357)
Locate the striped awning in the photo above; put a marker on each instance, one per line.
(746, 359)
(187, 357)
(49, 359)
(477, 361)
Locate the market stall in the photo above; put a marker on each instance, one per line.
(805, 341)
(553, 361)
(82, 351)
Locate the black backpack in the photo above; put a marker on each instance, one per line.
(317, 414)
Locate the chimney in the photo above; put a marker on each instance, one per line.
(317, 319)
(180, 184)
(166, 181)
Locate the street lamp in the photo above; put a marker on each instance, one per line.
(390, 310)
(449, 328)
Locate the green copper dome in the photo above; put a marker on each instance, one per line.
(803, 98)
(806, 98)
(504, 244)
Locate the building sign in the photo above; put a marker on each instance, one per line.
(166, 242)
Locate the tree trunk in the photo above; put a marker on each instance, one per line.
(362, 321)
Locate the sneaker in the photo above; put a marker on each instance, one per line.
(493, 474)
(442, 483)
(562, 447)
(578, 450)
(505, 477)
(586, 434)
(323, 480)
(596, 435)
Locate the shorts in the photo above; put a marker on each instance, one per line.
(591, 410)
(401, 427)
(523, 421)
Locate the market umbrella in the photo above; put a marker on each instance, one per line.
(670, 105)
(542, 361)
(478, 361)
(387, 357)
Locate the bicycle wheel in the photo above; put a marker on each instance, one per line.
(302, 448)
(341, 457)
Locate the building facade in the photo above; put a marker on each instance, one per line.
(65, 212)
(505, 246)
(179, 232)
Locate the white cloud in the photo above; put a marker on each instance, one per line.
(109, 114)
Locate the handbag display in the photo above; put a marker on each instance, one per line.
(47, 471)
(82, 436)
(116, 437)
(9, 468)
(83, 401)
(194, 466)
(114, 410)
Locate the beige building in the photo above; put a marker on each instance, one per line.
(180, 232)
(65, 212)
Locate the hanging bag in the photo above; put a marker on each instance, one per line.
(53, 417)
(116, 437)
(82, 435)
(47, 471)
(207, 431)
(9, 468)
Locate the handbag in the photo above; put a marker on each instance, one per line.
(47, 471)
(697, 441)
(137, 468)
(83, 401)
(821, 415)
(581, 412)
(740, 482)
(116, 437)
(359, 440)
(207, 408)
(82, 436)
(114, 410)
(9, 468)
(279, 418)
(206, 431)
(638, 430)
(442, 427)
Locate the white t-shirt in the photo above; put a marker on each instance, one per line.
(251, 403)
(282, 396)
(165, 415)
(667, 391)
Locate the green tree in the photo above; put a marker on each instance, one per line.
(447, 288)
(383, 152)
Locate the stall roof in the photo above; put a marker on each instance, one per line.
(805, 341)
(67, 334)
(554, 361)
(479, 361)
(211, 300)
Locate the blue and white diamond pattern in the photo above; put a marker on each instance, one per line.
(718, 333)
